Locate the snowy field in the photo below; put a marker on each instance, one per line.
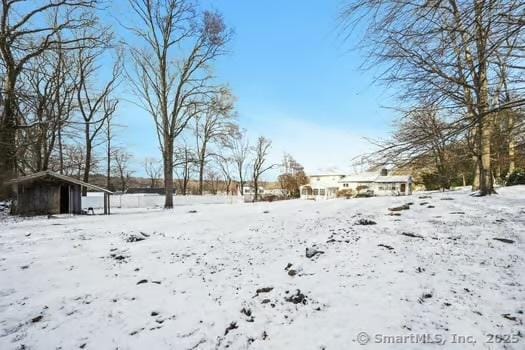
(216, 276)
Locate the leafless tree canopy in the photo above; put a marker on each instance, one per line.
(96, 107)
(153, 169)
(171, 67)
(61, 70)
(38, 34)
(215, 126)
(239, 149)
(121, 168)
(463, 57)
(260, 162)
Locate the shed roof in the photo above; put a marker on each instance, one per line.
(52, 174)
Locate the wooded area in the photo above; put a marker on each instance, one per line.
(64, 70)
(458, 69)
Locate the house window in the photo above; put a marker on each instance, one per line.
(322, 192)
(316, 192)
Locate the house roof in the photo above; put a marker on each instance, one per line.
(393, 178)
(330, 171)
(362, 177)
(52, 174)
(375, 177)
(321, 175)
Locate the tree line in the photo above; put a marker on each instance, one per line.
(63, 69)
(458, 71)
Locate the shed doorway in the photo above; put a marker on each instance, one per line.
(403, 188)
(64, 199)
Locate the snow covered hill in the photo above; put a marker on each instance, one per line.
(451, 268)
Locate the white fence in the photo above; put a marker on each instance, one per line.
(140, 200)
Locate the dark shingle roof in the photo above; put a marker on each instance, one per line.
(52, 174)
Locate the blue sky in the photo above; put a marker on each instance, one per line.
(296, 80)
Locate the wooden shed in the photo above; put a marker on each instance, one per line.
(47, 192)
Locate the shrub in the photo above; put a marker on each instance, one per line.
(361, 188)
(271, 198)
(347, 193)
(365, 194)
(517, 177)
(434, 181)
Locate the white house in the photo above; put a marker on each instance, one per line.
(322, 186)
(376, 183)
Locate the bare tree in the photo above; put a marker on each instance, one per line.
(510, 122)
(292, 176)
(185, 161)
(153, 169)
(25, 35)
(444, 52)
(212, 179)
(239, 147)
(121, 168)
(425, 140)
(95, 107)
(51, 85)
(170, 72)
(226, 165)
(111, 152)
(260, 162)
(75, 161)
(214, 125)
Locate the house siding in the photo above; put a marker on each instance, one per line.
(380, 183)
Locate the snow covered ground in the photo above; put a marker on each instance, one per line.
(215, 276)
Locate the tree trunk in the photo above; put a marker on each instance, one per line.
(201, 176)
(168, 173)
(512, 145)
(486, 183)
(184, 180)
(8, 139)
(201, 167)
(87, 167)
(108, 164)
(186, 171)
(123, 181)
(241, 181)
(48, 149)
(228, 186)
(60, 150)
(475, 180)
(255, 188)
